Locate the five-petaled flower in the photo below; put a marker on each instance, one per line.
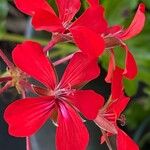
(58, 101)
(84, 30)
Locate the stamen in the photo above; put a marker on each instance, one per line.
(110, 116)
(55, 123)
(67, 21)
(59, 93)
(122, 120)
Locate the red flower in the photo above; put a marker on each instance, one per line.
(13, 77)
(116, 35)
(107, 121)
(110, 113)
(83, 29)
(59, 102)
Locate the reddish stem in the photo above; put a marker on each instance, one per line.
(60, 61)
(6, 60)
(107, 140)
(52, 43)
(23, 93)
(5, 87)
(5, 79)
(28, 144)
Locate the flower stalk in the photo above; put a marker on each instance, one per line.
(6, 60)
(63, 60)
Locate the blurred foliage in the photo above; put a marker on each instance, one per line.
(117, 12)
(3, 15)
(134, 118)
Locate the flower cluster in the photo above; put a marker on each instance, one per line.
(62, 100)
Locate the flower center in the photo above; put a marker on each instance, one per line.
(17, 77)
(62, 93)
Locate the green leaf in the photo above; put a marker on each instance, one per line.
(131, 86)
(118, 11)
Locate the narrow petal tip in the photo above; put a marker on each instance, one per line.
(142, 7)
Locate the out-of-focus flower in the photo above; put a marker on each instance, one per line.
(13, 77)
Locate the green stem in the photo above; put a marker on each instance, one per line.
(56, 53)
(19, 38)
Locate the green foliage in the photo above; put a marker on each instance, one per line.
(131, 87)
(137, 112)
(3, 15)
(118, 11)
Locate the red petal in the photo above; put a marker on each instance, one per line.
(92, 18)
(80, 70)
(26, 116)
(29, 7)
(46, 20)
(136, 25)
(104, 124)
(71, 133)
(117, 83)
(30, 58)
(124, 142)
(119, 105)
(88, 41)
(111, 67)
(130, 65)
(68, 9)
(88, 102)
(93, 2)
(113, 29)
